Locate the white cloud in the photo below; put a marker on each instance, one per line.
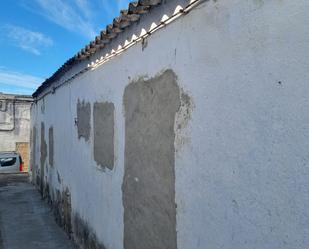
(16, 79)
(85, 8)
(78, 16)
(26, 39)
(72, 15)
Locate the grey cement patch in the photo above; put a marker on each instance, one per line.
(33, 152)
(43, 150)
(83, 119)
(103, 125)
(149, 177)
(51, 146)
(84, 236)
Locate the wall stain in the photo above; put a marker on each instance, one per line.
(183, 117)
(84, 235)
(43, 106)
(62, 210)
(58, 177)
(144, 43)
(75, 227)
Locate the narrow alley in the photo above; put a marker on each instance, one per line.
(26, 221)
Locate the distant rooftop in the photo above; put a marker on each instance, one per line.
(9, 96)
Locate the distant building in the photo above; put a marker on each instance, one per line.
(15, 124)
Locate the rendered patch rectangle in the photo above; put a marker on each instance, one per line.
(103, 119)
(149, 177)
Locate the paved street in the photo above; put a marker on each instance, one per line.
(26, 221)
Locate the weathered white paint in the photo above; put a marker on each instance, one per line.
(242, 160)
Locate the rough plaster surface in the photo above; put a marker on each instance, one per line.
(103, 126)
(83, 119)
(183, 118)
(43, 150)
(149, 179)
(51, 146)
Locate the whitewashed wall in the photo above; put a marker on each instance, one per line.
(242, 161)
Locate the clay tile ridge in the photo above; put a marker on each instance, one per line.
(125, 19)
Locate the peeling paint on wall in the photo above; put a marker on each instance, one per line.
(83, 119)
(103, 125)
(149, 178)
(51, 146)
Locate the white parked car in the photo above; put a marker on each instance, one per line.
(10, 162)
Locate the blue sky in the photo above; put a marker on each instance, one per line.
(38, 36)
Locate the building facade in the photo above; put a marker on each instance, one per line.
(183, 125)
(15, 125)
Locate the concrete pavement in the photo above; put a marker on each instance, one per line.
(26, 221)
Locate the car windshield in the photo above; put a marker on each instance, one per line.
(7, 161)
